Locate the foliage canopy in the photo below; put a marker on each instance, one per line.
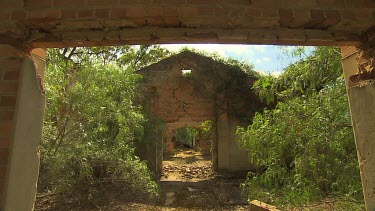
(91, 123)
(303, 147)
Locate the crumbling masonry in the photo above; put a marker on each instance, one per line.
(213, 91)
(29, 24)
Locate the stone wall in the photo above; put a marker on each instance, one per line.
(26, 24)
(212, 91)
(359, 69)
(11, 60)
(58, 23)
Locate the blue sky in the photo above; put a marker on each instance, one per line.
(268, 59)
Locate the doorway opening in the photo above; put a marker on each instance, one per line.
(189, 157)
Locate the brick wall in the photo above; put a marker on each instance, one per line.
(213, 89)
(97, 22)
(178, 100)
(10, 60)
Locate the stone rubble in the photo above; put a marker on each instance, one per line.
(188, 171)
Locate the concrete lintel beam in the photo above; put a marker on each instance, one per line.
(154, 35)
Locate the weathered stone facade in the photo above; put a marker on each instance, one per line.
(212, 91)
(27, 24)
(359, 68)
(59, 23)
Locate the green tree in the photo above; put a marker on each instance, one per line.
(91, 122)
(304, 147)
(306, 76)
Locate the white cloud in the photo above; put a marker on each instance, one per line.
(276, 73)
(266, 59)
(260, 48)
(262, 60)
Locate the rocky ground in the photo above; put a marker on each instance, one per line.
(187, 165)
(187, 183)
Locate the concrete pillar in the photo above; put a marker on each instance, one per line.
(358, 64)
(222, 141)
(23, 170)
(10, 66)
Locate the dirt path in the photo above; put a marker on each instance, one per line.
(187, 166)
(188, 183)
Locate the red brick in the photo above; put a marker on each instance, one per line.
(212, 2)
(101, 3)
(173, 2)
(68, 14)
(6, 114)
(6, 129)
(130, 2)
(2, 185)
(5, 143)
(69, 3)
(11, 4)
(135, 11)
(170, 11)
(35, 14)
(223, 12)
(360, 4)
(102, 13)
(3, 171)
(205, 11)
(347, 14)
(37, 3)
(267, 3)
(154, 11)
(188, 12)
(363, 14)
(332, 4)
(302, 13)
(309, 4)
(10, 54)
(53, 14)
(172, 21)
(118, 13)
(19, 15)
(155, 21)
(7, 101)
(286, 16)
(237, 2)
(85, 13)
(4, 156)
(140, 21)
(251, 12)
(316, 21)
(300, 18)
(8, 87)
(4, 14)
(238, 12)
(332, 17)
(270, 12)
(9, 63)
(317, 14)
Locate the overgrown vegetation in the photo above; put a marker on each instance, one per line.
(248, 68)
(187, 135)
(91, 123)
(303, 146)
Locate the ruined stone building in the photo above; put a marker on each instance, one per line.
(188, 89)
(28, 27)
